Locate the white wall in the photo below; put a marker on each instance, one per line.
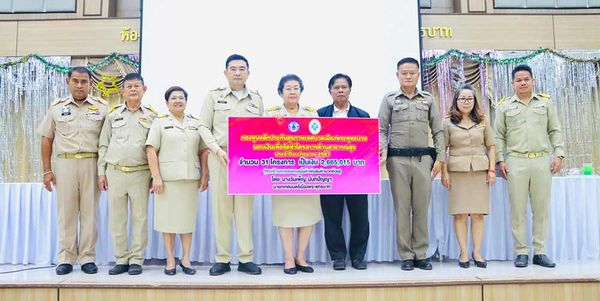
(186, 43)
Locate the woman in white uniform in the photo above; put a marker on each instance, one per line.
(294, 211)
(175, 154)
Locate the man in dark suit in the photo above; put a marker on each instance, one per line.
(357, 204)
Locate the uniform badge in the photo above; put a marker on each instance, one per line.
(118, 119)
(65, 110)
(420, 98)
(222, 101)
(253, 105)
(191, 127)
(93, 110)
(168, 127)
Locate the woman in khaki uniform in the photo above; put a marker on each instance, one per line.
(176, 155)
(469, 170)
(294, 211)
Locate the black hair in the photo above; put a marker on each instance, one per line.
(521, 68)
(173, 89)
(236, 57)
(286, 78)
(133, 76)
(338, 76)
(79, 69)
(407, 60)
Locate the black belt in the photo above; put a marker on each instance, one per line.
(412, 152)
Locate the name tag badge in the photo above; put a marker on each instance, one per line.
(168, 127)
(118, 119)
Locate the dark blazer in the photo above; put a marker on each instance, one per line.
(327, 111)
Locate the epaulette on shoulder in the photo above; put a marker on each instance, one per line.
(425, 93)
(393, 93)
(255, 92)
(58, 100)
(218, 89)
(192, 116)
(501, 101)
(100, 100)
(544, 95)
(151, 109)
(274, 108)
(162, 116)
(113, 108)
(307, 108)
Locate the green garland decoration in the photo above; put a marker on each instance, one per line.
(513, 60)
(64, 70)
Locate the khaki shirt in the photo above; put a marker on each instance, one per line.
(123, 137)
(220, 104)
(302, 111)
(526, 128)
(177, 146)
(74, 128)
(468, 146)
(406, 121)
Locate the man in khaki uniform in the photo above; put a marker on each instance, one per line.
(235, 100)
(73, 125)
(123, 170)
(405, 118)
(524, 124)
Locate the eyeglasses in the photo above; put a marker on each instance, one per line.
(466, 99)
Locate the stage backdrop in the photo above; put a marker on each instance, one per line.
(186, 43)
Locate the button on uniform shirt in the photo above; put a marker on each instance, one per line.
(406, 121)
(74, 128)
(527, 128)
(468, 145)
(177, 146)
(220, 104)
(341, 113)
(123, 137)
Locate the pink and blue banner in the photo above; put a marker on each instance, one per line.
(304, 155)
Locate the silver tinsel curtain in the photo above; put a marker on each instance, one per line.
(26, 91)
(573, 87)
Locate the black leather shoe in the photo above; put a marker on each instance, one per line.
(219, 268)
(304, 268)
(521, 261)
(407, 265)
(359, 264)
(135, 269)
(249, 268)
(290, 271)
(89, 268)
(543, 260)
(186, 270)
(464, 264)
(479, 264)
(171, 272)
(118, 269)
(339, 264)
(64, 268)
(423, 264)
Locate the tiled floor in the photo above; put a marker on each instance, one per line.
(377, 274)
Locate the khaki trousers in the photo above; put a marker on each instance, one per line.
(78, 197)
(410, 180)
(225, 208)
(529, 178)
(128, 190)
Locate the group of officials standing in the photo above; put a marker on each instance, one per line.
(130, 150)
